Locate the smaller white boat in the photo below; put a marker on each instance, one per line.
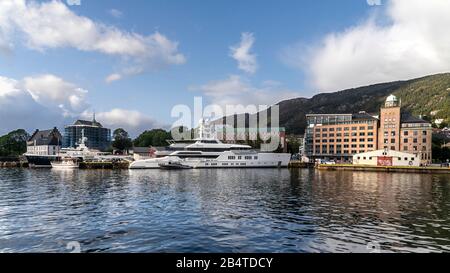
(66, 163)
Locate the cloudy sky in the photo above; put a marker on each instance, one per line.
(132, 61)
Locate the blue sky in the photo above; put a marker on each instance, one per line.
(290, 55)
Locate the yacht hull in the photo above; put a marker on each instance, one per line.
(222, 162)
(40, 161)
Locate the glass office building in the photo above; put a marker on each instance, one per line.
(98, 137)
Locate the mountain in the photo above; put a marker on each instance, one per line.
(428, 96)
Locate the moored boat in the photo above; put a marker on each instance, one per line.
(209, 152)
(66, 163)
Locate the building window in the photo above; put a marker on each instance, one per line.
(405, 148)
(424, 133)
(424, 140)
(415, 140)
(406, 133)
(393, 141)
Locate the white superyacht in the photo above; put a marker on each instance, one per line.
(209, 152)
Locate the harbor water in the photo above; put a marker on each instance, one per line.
(223, 210)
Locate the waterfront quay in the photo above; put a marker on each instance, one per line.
(399, 169)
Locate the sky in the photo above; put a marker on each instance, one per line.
(132, 61)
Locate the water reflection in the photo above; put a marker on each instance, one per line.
(223, 211)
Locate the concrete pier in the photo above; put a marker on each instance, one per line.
(426, 170)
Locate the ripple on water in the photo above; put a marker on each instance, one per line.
(223, 211)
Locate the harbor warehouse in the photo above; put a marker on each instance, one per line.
(387, 158)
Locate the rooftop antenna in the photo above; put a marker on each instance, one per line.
(94, 117)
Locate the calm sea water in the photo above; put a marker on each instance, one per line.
(247, 210)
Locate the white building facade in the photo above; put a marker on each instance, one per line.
(45, 143)
(387, 158)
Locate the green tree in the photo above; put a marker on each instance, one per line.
(155, 138)
(122, 140)
(14, 143)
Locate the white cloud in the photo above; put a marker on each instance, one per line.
(236, 90)
(113, 77)
(132, 121)
(242, 53)
(52, 24)
(411, 41)
(53, 92)
(18, 108)
(8, 87)
(46, 101)
(115, 13)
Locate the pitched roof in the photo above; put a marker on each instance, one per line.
(88, 123)
(408, 118)
(363, 116)
(46, 137)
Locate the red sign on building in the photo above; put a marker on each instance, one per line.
(385, 161)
